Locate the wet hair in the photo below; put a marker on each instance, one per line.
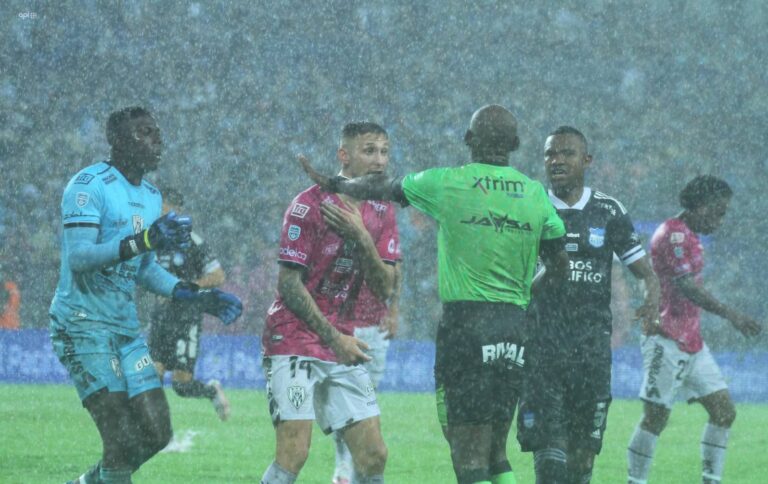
(359, 128)
(172, 196)
(702, 189)
(572, 131)
(118, 122)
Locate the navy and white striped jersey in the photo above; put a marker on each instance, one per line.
(598, 228)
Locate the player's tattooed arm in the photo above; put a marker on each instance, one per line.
(706, 301)
(391, 322)
(348, 223)
(349, 350)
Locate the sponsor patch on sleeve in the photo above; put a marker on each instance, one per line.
(676, 237)
(84, 179)
(299, 210)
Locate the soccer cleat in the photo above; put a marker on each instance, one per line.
(220, 402)
(91, 476)
(340, 480)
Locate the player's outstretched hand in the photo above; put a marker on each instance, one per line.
(224, 305)
(349, 350)
(746, 325)
(320, 179)
(389, 324)
(346, 221)
(648, 314)
(170, 231)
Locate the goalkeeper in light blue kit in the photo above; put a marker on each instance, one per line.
(111, 226)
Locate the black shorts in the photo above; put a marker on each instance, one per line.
(174, 336)
(479, 359)
(565, 398)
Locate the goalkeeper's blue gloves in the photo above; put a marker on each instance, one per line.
(225, 306)
(170, 231)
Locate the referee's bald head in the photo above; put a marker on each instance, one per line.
(492, 130)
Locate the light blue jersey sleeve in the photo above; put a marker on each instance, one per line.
(155, 277)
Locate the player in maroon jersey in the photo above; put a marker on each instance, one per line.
(330, 245)
(675, 358)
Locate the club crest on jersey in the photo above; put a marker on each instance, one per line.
(596, 237)
(299, 210)
(137, 221)
(294, 231)
(296, 396)
(81, 199)
(528, 420)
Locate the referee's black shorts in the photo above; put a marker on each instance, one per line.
(479, 360)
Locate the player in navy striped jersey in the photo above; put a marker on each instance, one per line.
(174, 336)
(563, 413)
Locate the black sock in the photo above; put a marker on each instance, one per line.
(194, 389)
(469, 476)
(500, 467)
(550, 465)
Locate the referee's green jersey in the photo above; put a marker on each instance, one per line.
(491, 219)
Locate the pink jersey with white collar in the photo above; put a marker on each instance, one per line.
(332, 270)
(676, 251)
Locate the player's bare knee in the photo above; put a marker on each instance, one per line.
(373, 460)
(724, 416)
(293, 461)
(654, 422)
(160, 439)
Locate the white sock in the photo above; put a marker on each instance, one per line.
(640, 455)
(277, 475)
(713, 444)
(343, 457)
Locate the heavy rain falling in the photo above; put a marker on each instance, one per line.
(652, 94)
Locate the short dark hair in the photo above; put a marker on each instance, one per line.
(359, 128)
(702, 189)
(173, 196)
(571, 130)
(119, 119)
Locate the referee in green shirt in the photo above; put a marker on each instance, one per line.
(493, 224)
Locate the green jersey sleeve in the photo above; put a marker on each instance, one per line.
(553, 227)
(424, 190)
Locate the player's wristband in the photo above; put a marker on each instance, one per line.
(134, 245)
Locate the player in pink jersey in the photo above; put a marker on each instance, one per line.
(375, 322)
(675, 358)
(330, 246)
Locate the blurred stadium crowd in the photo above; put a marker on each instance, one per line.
(664, 90)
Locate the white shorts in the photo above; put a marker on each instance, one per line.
(378, 346)
(668, 372)
(303, 388)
